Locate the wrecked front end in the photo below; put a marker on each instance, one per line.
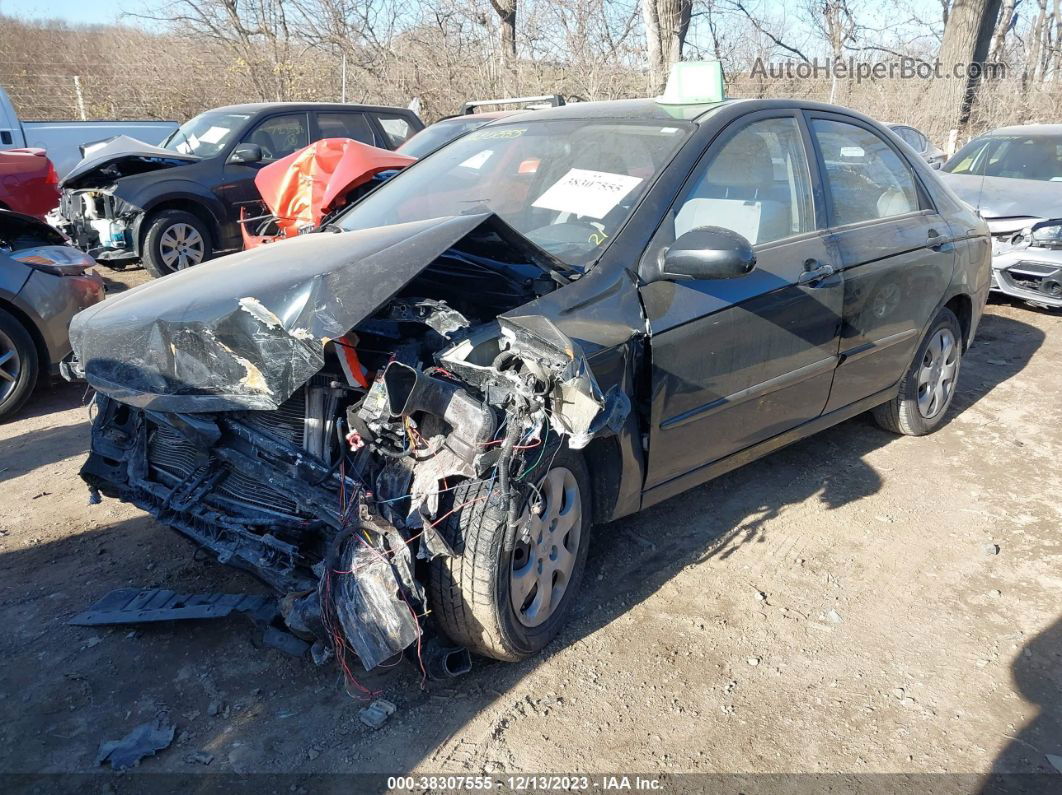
(92, 212)
(1027, 262)
(99, 223)
(313, 429)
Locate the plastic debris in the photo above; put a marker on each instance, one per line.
(145, 740)
(376, 714)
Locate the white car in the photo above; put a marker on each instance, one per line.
(1013, 178)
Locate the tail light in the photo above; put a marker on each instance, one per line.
(52, 177)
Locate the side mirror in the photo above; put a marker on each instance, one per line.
(708, 252)
(246, 153)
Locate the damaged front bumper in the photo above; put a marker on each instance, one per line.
(1031, 273)
(98, 223)
(1037, 279)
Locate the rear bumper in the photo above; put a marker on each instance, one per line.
(1032, 274)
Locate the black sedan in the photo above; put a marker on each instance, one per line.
(557, 320)
(178, 204)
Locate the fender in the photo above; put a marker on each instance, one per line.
(25, 314)
(175, 192)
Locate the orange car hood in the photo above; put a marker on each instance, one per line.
(300, 188)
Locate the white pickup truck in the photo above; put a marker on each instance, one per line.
(63, 139)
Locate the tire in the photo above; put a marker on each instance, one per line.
(175, 240)
(470, 594)
(18, 365)
(916, 410)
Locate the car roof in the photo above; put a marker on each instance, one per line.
(629, 109)
(485, 116)
(259, 107)
(655, 111)
(1028, 129)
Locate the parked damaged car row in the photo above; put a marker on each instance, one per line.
(179, 204)
(407, 422)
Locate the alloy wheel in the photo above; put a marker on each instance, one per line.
(10, 366)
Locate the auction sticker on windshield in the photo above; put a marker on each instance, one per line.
(592, 193)
(214, 135)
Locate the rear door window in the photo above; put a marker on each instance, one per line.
(866, 178)
(397, 128)
(911, 137)
(345, 125)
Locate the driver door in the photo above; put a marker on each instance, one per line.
(737, 361)
(278, 136)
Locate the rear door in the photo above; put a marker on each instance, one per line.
(737, 361)
(894, 248)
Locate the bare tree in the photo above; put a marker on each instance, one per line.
(1006, 22)
(967, 36)
(836, 24)
(666, 24)
(256, 32)
(506, 11)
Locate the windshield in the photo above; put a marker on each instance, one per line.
(205, 135)
(1012, 156)
(438, 135)
(567, 186)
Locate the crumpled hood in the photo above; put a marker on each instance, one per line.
(245, 331)
(123, 149)
(1002, 197)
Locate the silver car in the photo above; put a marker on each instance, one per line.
(1013, 177)
(920, 142)
(43, 284)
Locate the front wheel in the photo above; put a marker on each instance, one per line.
(18, 365)
(175, 240)
(509, 605)
(928, 387)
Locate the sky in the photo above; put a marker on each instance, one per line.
(109, 11)
(78, 11)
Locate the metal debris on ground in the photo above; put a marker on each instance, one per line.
(149, 605)
(145, 740)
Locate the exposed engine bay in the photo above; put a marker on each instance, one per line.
(337, 495)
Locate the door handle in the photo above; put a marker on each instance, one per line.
(936, 241)
(814, 271)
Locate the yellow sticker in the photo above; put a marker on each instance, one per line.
(504, 132)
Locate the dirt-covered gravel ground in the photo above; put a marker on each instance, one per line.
(855, 603)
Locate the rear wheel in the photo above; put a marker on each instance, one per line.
(18, 364)
(509, 605)
(175, 240)
(928, 387)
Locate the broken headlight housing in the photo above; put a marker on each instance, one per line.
(1047, 234)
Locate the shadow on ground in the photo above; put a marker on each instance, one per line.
(75, 686)
(1037, 673)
